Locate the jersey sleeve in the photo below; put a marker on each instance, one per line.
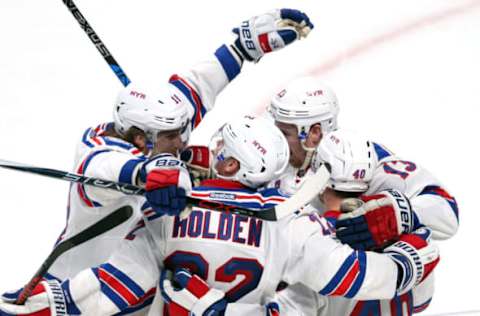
(107, 165)
(433, 205)
(200, 85)
(125, 283)
(332, 269)
(299, 300)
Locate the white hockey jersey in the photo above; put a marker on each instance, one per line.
(435, 208)
(112, 159)
(243, 256)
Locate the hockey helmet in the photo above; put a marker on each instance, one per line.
(257, 144)
(162, 110)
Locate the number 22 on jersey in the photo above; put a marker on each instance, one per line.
(249, 268)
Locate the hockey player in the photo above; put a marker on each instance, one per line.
(306, 110)
(117, 151)
(353, 164)
(243, 258)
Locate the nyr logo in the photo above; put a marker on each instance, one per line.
(315, 93)
(138, 94)
(259, 147)
(334, 139)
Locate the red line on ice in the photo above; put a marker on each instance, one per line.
(370, 43)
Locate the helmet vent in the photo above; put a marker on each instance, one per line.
(160, 101)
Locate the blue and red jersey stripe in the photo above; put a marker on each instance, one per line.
(118, 287)
(195, 101)
(349, 277)
(80, 187)
(439, 191)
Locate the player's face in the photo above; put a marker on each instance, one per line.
(223, 166)
(169, 142)
(330, 199)
(297, 153)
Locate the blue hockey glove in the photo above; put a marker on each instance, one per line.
(170, 200)
(167, 182)
(381, 220)
(270, 32)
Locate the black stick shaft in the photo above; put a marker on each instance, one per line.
(105, 224)
(266, 214)
(102, 49)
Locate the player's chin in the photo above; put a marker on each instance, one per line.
(296, 162)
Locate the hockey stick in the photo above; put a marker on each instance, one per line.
(97, 42)
(105, 224)
(309, 190)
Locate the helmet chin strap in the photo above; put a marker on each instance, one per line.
(308, 157)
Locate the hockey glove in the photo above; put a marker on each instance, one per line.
(48, 298)
(378, 222)
(186, 294)
(197, 159)
(167, 182)
(270, 32)
(415, 258)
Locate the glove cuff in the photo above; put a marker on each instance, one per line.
(415, 259)
(240, 51)
(56, 298)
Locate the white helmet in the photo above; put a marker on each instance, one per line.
(257, 144)
(305, 102)
(351, 158)
(162, 110)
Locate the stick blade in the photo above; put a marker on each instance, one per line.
(312, 186)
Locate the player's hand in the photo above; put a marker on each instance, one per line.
(270, 32)
(197, 159)
(41, 301)
(186, 294)
(378, 222)
(170, 200)
(415, 257)
(167, 182)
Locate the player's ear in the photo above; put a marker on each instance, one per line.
(314, 136)
(140, 141)
(231, 166)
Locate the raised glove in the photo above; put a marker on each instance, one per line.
(270, 32)
(415, 257)
(186, 294)
(378, 222)
(167, 183)
(48, 298)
